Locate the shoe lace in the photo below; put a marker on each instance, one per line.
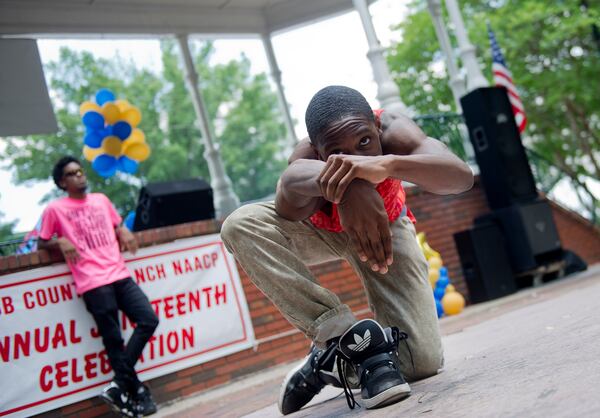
(403, 336)
(342, 363)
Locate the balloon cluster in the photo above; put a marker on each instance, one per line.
(447, 300)
(112, 140)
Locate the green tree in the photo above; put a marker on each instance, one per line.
(6, 228)
(242, 106)
(554, 57)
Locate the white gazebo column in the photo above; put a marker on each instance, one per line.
(387, 90)
(276, 74)
(456, 83)
(475, 78)
(224, 198)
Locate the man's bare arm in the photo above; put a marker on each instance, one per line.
(68, 250)
(421, 160)
(126, 239)
(298, 194)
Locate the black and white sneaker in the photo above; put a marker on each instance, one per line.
(307, 379)
(119, 400)
(144, 403)
(373, 353)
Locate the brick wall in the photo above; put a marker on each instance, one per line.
(277, 342)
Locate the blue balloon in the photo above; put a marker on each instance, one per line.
(121, 129)
(442, 282)
(127, 165)
(103, 96)
(93, 120)
(93, 139)
(105, 164)
(439, 308)
(438, 293)
(443, 272)
(107, 131)
(129, 220)
(108, 173)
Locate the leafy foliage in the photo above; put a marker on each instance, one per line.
(554, 57)
(242, 106)
(6, 228)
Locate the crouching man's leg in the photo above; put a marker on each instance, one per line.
(275, 253)
(403, 298)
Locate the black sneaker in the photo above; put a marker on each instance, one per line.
(143, 401)
(308, 378)
(119, 400)
(373, 352)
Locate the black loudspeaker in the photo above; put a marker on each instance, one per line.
(503, 165)
(485, 263)
(173, 202)
(530, 233)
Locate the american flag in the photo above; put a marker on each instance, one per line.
(503, 77)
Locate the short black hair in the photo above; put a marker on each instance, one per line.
(58, 170)
(331, 104)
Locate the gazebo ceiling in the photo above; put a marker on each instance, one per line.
(148, 17)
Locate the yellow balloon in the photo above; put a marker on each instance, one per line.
(137, 151)
(91, 153)
(421, 238)
(111, 145)
(435, 262)
(87, 106)
(137, 137)
(453, 303)
(434, 275)
(450, 288)
(123, 105)
(111, 113)
(133, 116)
(429, 252)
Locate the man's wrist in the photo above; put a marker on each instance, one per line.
(392, 165)
(356, 186)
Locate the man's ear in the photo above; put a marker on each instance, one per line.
(316, 151)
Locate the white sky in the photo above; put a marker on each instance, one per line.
(329, 52)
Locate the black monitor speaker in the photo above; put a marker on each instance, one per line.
(485, 262)
(530, 233)
(173, 202)
(503, 164)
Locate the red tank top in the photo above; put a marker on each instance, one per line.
(391, 191)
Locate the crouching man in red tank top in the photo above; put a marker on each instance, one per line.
(341, 197)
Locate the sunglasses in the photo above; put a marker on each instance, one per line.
(78, 172)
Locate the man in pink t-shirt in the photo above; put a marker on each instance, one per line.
(89, 234)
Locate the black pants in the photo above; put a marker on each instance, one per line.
(104, 303)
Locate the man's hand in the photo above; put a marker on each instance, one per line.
(340, 170)
(127, 240)
(68, 250)
(363, 217)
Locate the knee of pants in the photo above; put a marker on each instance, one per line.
(235, 227)
(149, 324)
(113, 341)
(426, 365)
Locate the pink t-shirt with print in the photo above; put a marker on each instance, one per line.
(90, 225)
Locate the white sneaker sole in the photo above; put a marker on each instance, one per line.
(388, 396)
